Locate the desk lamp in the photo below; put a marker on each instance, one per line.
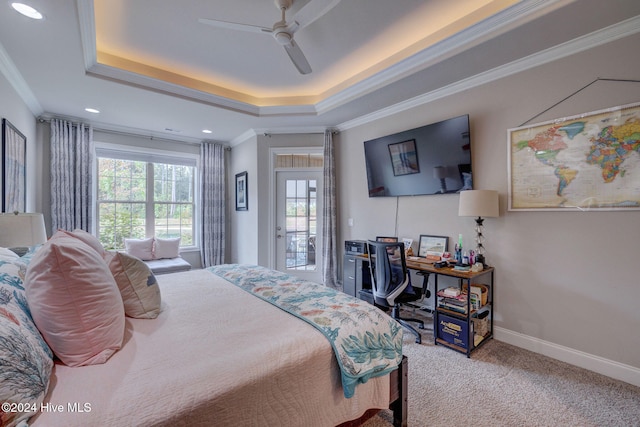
(440, 173)
(479, 203)
(18, 231)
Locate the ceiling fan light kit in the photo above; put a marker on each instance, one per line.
(282, 30)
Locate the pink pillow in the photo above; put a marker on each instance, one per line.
(140, 248)
(75, 302)
(87, 238)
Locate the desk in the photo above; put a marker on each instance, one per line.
(356, 277)
(443, 317)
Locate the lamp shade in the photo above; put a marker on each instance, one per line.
(25, 229)
(439, 172)
(480, 203)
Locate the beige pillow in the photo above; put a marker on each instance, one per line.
(137, 284)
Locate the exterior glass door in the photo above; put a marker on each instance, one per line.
(298, 234)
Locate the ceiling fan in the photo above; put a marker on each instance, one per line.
(282, 30)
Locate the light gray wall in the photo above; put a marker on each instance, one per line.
(251, 231)
(566, 282)
(244, 224)
(14, 109)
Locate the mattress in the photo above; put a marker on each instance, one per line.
(216, 355)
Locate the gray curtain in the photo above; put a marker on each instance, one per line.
(213, 203)
(329, 248)
(71, 159)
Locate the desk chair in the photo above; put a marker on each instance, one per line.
(391, 282)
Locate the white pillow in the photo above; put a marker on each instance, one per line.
(167, 248)
(140, 248)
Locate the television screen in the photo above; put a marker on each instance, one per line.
(432, 159)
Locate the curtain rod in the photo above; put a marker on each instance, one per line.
(126, 133)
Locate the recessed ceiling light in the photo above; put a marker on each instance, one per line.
(206, 131)
(92, 110)
(27, 11)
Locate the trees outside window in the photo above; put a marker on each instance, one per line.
(138, 199)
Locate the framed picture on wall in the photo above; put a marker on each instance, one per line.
(242, 192)
(13, 170)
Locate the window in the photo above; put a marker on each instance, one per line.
(144, 195)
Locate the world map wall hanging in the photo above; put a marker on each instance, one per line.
(586, 162)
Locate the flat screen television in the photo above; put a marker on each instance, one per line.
(432, 159)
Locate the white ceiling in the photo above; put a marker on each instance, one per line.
(153, 70)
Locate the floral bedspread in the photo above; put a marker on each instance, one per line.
(367, 342)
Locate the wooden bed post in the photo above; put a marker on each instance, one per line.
(399, 395)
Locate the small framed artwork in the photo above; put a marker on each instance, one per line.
(432, 245)
(13, 169)
(407, 242)
(242, 192)
(404, 157)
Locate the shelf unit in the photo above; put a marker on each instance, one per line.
(356, 277)
(463, 323)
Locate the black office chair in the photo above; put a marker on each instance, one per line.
(391, 282)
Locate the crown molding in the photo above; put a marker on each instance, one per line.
(252, 133)
(472, 36)
(597, 38)
(447, 48)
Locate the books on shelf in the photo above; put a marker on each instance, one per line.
(451, 291)
(455, 299)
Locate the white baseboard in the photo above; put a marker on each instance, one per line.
(610, 368)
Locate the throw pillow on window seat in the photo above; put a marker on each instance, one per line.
(166, 248)
(140, 248)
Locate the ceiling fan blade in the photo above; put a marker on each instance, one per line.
(312, 11)
(235, 26)
(297, 57)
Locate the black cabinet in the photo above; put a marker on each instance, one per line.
(355, 274)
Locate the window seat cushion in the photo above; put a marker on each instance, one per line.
(168, 265)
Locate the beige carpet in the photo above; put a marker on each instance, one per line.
(503, 385)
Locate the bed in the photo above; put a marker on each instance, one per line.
(220, 353)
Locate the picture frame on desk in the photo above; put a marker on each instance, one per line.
(432, 245)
